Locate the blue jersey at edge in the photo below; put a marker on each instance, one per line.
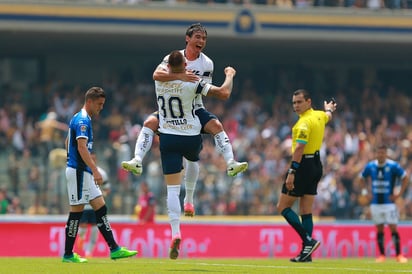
(80, 127)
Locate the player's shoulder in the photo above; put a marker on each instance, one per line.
(205, 58)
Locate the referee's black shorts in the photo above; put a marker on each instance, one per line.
(307, 176)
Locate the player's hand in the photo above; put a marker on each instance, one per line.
(189, 76)
(98, 179)
(229, 71)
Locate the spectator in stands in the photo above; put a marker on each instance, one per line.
(146, 205)
(4, 202)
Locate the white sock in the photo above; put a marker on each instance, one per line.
(93, 239)
(223, 146)
(143, 143)
(82, 231)
(173, 208)
(191, 176)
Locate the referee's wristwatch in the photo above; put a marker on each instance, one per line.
(291, 171)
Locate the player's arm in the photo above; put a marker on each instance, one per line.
(162, 74)
(404, 186)
(223, 92)
(87, 158)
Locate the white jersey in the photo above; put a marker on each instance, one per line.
(176, 100)
(202, 67)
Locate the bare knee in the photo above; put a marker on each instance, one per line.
(213, 127)
(151, 122)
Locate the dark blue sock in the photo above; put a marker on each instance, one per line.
(396, 242)
(381, 242)
(307, 222)
(293, 219)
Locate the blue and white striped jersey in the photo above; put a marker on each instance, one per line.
(80, 127)
(383, 179)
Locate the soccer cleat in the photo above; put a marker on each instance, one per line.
(401, 259)
(174, 247)
(298, 260)
(380, 259)
(134, 166)
(189, 210)
(233, 167)
(308, 249)
(122, 253)
(75, 258)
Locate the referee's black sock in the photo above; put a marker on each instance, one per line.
(72, 226)
(293, 219)
(104, 227)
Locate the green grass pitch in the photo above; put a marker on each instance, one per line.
(146, 265)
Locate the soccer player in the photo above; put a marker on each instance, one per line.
(84, 178)
(379, 177)
(198, 65)
(180, 131)
(305, 171)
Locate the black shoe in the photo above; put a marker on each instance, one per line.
(298, 260)
(308, 249)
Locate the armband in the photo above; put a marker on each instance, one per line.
(294, 165)
(291, 171)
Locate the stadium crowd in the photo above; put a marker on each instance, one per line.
(257, 118)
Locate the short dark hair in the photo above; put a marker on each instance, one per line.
(381, 146)
(304, 92)
(176, 59)
(95, 93)
(195, 28)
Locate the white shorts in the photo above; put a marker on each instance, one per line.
(81, 187)
(385, 214)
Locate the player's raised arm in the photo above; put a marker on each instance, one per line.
(223, 92)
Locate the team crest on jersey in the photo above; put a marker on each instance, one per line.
(302, 135)
(83, 128)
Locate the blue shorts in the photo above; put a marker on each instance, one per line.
(204, 117)
(88, 217)
(174, 147)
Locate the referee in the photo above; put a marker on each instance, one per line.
(305, 171)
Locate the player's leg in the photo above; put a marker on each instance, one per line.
(92, 240)
(77, 202)
(81, 234)
(173, 148)
(377, 215)
(172, 161)
(213, 126)
(191, 156)
(143, 144)
(190, 179)
(99, 206)
(392, 221)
